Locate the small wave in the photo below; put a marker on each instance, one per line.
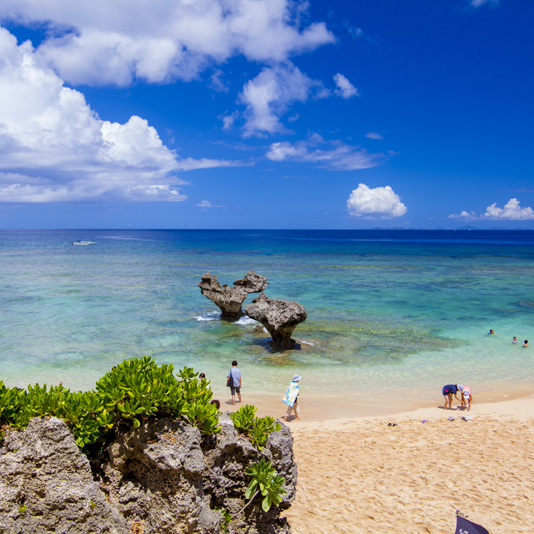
(245, 320)
(304, 342)
(211, 316)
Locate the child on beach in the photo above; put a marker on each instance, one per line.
(202, 376)
(467, 398)
(448, 391)
(291, 398)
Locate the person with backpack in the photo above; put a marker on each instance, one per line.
(233, 381)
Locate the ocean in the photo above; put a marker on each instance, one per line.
(390, 313)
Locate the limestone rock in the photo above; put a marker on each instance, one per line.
(161, 478)
(252, 282)
(279, 317)
(46, 485)
(230, 299)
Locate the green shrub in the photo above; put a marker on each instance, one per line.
(243, 418)
(131, 392)
(257, 428)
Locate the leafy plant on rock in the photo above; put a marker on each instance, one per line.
(257, 428)
(265, 480)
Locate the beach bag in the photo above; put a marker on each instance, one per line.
(230, 380)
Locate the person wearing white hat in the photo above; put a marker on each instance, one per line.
(291, 398)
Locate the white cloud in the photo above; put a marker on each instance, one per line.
(380, 202)
(54, 148)
(103, 42)
(466, 215)
(206, 204)
(270, 94)
(374, 135)
(217, 83)
(512, 211)
(344, 88)
(337, 156)
(229, 120)
(478, 3)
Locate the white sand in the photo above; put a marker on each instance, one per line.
(362, 476)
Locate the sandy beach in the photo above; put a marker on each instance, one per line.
(363, 475)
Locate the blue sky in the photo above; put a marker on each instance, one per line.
(266, 114)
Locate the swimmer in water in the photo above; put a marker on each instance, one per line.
(514, 340)
(492, 333)
(525, 344)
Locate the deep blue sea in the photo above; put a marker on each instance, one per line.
(389, 312)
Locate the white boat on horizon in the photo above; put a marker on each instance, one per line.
(83, 242)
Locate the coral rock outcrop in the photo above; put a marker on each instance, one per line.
(230, 299)
(163, 477)
(279, 317)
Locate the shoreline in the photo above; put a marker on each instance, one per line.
(321, 409)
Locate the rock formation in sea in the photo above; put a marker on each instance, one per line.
(279, 317)
(163, 477)
(230, 299)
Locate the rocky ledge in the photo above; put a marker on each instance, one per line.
(162, 477)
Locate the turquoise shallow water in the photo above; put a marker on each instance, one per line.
(387, 311)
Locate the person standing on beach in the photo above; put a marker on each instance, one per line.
(448, 391)
(291, 398)
(233, 381)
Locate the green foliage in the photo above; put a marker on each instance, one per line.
(266, 480)
(130, 393)
(227, 517)
(263, 426)
(257, 428)
(243, 418)
(22, 508)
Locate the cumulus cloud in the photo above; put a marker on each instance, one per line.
(377, 203)
(103, 42)
(336, 155)
(270, 94)
(54, 148)
(466, 215)
(512, 211)
(344, 88)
